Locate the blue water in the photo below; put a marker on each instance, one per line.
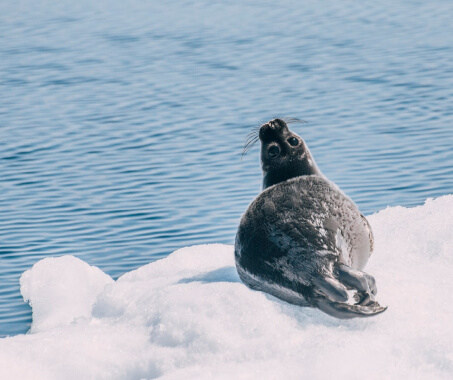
(122, 123)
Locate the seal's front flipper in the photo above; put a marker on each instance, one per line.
(347, 311)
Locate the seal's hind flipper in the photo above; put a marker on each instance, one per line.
(346, 311)
(330, 288)
(356, 279)
(349, 295)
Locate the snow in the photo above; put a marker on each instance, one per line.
(188, 316)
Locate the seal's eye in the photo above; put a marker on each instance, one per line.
(273, 151)
(293, 141)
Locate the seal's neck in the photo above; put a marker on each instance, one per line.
(295, 169)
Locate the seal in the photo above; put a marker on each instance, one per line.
(302, 239)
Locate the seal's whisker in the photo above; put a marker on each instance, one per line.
(251, 136)
(254, 132)
(249, 143)
(292, 120)
(251, 140)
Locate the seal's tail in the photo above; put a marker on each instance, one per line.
(347, 311)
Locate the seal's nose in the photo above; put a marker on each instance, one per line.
(278, 123)
(271, 128)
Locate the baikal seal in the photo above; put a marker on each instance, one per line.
(302, 239)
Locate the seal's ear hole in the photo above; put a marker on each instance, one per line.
(273, 151)
(293, 141)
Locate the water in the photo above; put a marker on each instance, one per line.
(121, 125)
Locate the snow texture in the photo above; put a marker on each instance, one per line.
(188, 316)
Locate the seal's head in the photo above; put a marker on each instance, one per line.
(284, 154)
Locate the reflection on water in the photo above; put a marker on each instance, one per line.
(122, 125)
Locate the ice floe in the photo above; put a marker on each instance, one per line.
(189, 317)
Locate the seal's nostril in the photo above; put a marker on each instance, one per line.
(272, 129)
(279, 123)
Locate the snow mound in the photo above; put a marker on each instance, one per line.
(61, 290)
(189, 317)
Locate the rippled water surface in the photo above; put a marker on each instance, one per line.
(121, 125)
